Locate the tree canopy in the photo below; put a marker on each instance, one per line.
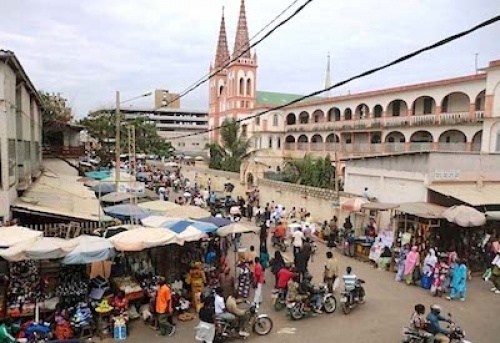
(55, 114)
(101, 125)
(231, 151)
(310, 171)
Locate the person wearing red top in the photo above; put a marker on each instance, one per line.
(280, 231)
(284, 275)
(258, 276)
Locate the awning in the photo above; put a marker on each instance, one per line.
(422, 210)
(379, 206)
(470, 193)
(60, 196)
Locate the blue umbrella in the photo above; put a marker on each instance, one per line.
(217, 221)
(127, 212)
(98, 175)
(179, 226)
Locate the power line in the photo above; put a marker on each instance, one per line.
(361, 75)
(208, 76)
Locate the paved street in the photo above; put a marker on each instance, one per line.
(388, 308)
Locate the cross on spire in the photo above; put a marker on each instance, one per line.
(242, 41)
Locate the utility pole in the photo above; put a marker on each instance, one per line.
(117, 140)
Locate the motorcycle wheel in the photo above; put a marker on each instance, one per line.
(346, 308)
(263, 326)
(330, 304)
(296, 313)
(279, 305)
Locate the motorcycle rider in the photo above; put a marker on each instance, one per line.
(240, 314)
(306, 287)
(352, 286)
(419, 324)
(434, 317)
(279, 233)
(221, 311)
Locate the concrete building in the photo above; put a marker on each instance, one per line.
(20, 131)
(174, 122)
(163, 98)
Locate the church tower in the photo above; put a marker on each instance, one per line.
(233, 89)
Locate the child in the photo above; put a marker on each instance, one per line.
(418, 323)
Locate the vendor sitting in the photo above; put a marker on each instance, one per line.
(371, 229)
(120, 305)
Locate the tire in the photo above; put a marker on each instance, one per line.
(279, 305)
(346, 308)
(330, 304)
(296, 313)
(263, 326)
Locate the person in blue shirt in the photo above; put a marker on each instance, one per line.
(434, 317)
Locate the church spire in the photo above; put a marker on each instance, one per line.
(328, 80)
(242, 41)
(222, 54)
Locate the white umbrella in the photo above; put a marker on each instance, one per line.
(190, 234)
(12, 235)
(158, 206)
(156, 221)
(236, 228)
(89, 249)
(44, 248)
(142, 238)
(464, 216)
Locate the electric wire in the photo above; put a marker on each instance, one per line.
(399, 60)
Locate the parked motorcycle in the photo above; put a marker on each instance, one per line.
(349, 299)
(280, 243)
(298, 309)
(261, 324)
(457, 335)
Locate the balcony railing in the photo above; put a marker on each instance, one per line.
(454, 118)
(452, 147)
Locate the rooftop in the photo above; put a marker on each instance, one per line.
(277, 99)
(10, 59)
(162, 110)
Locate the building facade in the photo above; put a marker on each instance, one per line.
(176, 122)
(20, 131)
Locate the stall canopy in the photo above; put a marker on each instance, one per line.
(116, 197)
(422, 210)
(353, 204)
(44, 248)
(470, 193)
(379, 206)
(158, 206)
(113, 230)
(142, 238)
(236, 228)
(89, 249)
(98, 175)
(179, 226)
(187, 212)
(217, 221)
(12, 235)
(126, 212)
(104, 188)
(464, 216)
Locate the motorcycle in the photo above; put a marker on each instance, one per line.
(261, 324)
(280, 243)
(298, 309)
(456, 335)
(349, 300)
(279, 299)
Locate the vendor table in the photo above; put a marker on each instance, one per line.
(362, 250)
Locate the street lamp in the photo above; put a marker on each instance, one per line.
(117, 135)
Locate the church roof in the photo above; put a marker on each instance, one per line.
(276, 99)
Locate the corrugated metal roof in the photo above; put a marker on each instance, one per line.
(422, 209)
(470, 193)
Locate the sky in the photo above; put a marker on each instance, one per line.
(86, 50)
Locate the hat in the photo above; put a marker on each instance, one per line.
(103, 307)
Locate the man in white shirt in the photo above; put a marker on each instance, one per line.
(297, 240)
(220, 307)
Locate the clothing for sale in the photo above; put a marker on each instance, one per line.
(73, 285)
(24, 288)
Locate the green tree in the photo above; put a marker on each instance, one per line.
(310, 171)
(232, 150)
(101, 125)
(55, 114)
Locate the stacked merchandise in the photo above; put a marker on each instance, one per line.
(24, 288)
(73, 285)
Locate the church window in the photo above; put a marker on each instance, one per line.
(275, 120)
(242, 86)
(249, 87)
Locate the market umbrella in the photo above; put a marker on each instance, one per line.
(114, 230)
(353, 204)
(89, 249)
(12, 235)
(43, 248)
(193, 212)
(97, 175)
(142, 238)
(116, 197)
(464, 216)
(158, 206)
(126, 212)
(91, 183)
(179, 226)
(236, 228)
(217, 221)
(104, 188)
